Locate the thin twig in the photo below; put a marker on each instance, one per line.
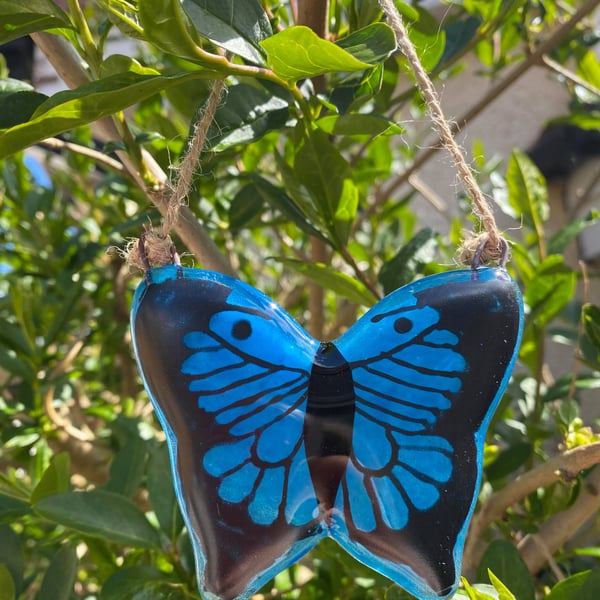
(98, 157)
(569, 75)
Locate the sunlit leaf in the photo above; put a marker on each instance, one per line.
(237, 27)
(56, 478)
(298, 52)
(527, 191)
(85, 104)
(18, 19)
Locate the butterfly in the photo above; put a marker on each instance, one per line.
(278, 440)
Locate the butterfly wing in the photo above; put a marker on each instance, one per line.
(227, 371)
(429, 364)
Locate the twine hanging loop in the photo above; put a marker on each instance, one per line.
(488, 246)
(155, 247)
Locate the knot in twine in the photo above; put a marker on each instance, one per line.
(480, 249)
(152, 249)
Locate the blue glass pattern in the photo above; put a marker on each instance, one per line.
(278, 440)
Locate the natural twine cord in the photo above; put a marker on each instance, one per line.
(493, 248)
(158, 248)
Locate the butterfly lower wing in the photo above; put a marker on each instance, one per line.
(429, 364)
(227, 372)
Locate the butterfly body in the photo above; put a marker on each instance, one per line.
(278, 440)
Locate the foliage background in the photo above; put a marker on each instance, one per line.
(299, 184)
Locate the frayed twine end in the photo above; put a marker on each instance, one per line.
(481, 250)
(153, 249)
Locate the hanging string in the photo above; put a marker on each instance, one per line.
(489, 245)
(156, 247)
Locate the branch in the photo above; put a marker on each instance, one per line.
(95, 155)
(315, 14)
(563, 467)
(558, 529)
(569, 75)
(68, 66)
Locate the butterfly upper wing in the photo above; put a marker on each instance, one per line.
(227, 371)
(429, 364)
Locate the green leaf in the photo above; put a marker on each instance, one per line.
(100, 514)
(409, 261)
(277, 199)
(246, 207)
(11, 557)
(372, 44)
(479, 591)
(90, 102)
(321, 168)
(503, 560)
(561, 239)
(358, 124)
(60, 575)
(458, 35)
(429, 40)
(527, 193)
(18, 19)
(590, 119)
(56, 478)
(168, 27)
(127, 468)
(18, 101)
(503, 592)
(15, 365)
(507, 462)
(588, 68)
(298, 52)
(237, 27)
(141, 583)
(551, 289)
(345, 212)
(12, 508)
(295, 188)
(580, 586)
(248, 113)
(591, 323)
(340, 283)
(7, 585)
(161, 492)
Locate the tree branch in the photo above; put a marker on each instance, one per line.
(314, 14)
(552, 535)
(565, 466)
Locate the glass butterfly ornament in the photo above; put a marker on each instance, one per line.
(278, 440)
